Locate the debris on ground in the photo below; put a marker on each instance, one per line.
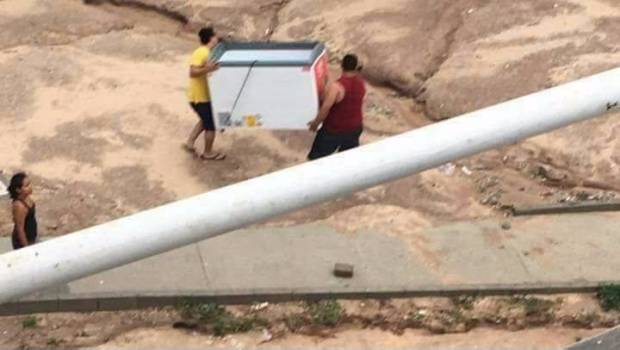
(343, 270)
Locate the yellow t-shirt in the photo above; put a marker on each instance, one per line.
(198, 90)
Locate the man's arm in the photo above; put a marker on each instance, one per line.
(207, 67)
(331, 97)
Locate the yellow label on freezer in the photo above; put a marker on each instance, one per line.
(252, 120)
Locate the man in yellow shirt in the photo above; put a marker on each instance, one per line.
(198, 94)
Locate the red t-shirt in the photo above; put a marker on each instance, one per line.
(347, 115)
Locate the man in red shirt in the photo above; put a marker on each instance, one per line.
(340, 115)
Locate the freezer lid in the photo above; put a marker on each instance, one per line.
(267, 54)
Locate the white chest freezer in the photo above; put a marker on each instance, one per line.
(267, 85)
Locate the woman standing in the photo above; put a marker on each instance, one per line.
(25, 229)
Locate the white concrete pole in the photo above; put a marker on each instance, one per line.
(177, 224)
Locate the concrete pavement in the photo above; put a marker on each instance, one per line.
(609, 340)
(544, 253)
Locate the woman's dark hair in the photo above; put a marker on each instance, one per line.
(17, 181)
(205, 35)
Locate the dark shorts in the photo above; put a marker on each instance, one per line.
(204, 111)
(326, 143)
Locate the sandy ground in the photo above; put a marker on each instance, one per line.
(92, 103)
(534, 339)
(100, 123)
(535, 322)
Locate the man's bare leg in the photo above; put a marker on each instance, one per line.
(208, 153)
(209, 141)
(193, 136)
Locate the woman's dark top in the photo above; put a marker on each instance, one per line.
(30, 226)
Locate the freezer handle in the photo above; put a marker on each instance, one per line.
(245, 81)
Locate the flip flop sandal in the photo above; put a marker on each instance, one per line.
(217, 156)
